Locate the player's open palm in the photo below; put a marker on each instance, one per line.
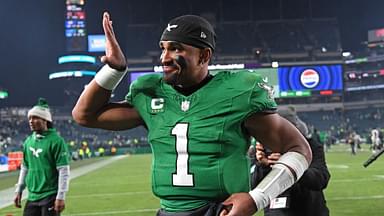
(114, 57)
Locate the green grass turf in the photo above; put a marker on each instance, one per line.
(9, 179)
(123, 187)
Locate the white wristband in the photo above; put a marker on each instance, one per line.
(108, 78)
(279, 178)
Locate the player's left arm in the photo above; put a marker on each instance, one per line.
(62, 166)
(279, 135)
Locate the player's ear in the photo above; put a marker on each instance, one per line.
(205, 55)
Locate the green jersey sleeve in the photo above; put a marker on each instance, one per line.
(61, 152)
(143, 85)
(25, 158)
(262, 99)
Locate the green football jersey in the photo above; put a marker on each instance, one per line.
(42, 155)
(198, 141)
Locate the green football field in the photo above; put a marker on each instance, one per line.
(123, 187)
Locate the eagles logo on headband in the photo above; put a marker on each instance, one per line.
(192, 30)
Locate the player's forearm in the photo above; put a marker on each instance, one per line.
(20, 185)
(287, 170)
(63, 184)
(300, 145)
(90, 103)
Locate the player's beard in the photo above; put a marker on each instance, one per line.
(175, 78)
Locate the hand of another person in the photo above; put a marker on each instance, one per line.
(59, 205)
(273, 158)
(260, 155)
(239, 204)
(114, 57)
(17, 200)
(263, 158)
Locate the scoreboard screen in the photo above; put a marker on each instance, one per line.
(310, 80)
(376, 35)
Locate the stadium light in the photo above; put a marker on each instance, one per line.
(323, 49)
(3, 94)
(77, 58)
(346, 54)
(75, 73)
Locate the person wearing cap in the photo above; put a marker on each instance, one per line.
(45, 168)
(306, 196)
(198, 125)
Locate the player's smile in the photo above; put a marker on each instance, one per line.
(170, 68)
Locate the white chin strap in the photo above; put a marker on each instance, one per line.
(288, 169)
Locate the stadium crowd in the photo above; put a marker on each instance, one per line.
(14, 129)
(332, 126)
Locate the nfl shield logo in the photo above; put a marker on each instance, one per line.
(185, 105)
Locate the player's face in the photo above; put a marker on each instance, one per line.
(37, 124)
(181, 63)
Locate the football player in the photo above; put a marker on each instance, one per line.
(198, 124)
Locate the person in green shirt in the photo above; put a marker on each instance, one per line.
(198, 124)
(45, 168)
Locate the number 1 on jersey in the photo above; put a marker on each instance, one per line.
(181, 177)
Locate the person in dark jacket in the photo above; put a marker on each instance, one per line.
(305, 197)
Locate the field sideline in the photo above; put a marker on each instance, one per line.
(123, 188)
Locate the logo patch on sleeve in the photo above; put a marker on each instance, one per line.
(267, 88)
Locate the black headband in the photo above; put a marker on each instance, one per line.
(192, 30)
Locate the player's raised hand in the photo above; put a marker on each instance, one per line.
(114, 57)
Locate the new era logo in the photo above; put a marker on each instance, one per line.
(203, 35)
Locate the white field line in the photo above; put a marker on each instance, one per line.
(7, 195)
(111, 212)
(375, 178)
(356, 198)
(109, 194)
(337, 166)
(114, 184)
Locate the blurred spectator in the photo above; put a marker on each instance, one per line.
(305, 197)
(375, 139)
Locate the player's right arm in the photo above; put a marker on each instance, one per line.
(93, 108)
(20, 185)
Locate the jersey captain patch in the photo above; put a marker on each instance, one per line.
(157, 105)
